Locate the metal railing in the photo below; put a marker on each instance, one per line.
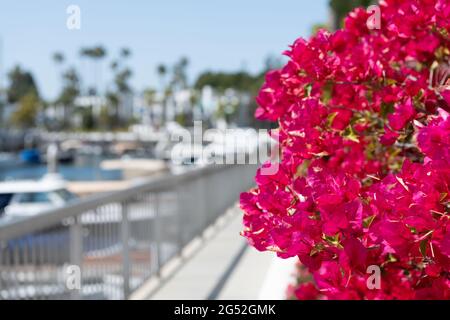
(114, 242)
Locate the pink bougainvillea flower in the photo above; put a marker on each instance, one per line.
(404, 113)
(364, 174)
(307, 291)
(389, 137)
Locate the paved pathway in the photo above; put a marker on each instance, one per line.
(223, 267)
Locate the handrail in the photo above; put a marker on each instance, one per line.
(14, 228)
(116, 240)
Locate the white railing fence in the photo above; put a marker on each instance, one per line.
(116, 241)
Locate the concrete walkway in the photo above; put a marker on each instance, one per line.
(221, 266)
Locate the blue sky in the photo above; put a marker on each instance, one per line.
(214, 35)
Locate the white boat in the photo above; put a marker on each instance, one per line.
(25, 198)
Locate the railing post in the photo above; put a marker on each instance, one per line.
(203, 204)
(179, 218)
(76, 253)
(126, 264)
(158, 226)
(1, 265)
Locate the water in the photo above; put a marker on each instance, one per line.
(84, 168)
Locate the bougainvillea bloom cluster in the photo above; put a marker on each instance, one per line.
(364, 133)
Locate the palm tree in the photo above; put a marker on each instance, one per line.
(113, 101)
(125, 53)
(114, 65)
(58, 58)
(162, 72)
(149, 100)
(122, 75)
(179, 80)
(69, 92)
(95, 54)
(179, 73)
(125, 74)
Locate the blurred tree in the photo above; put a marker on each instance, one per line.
(113, 102)
(114, 65)
(95, 54)
(125, 52)
(179, 79)
(21, 83)
(70, 91)
(87, 118)
(104, 118)
(244, 82)
(161, 70)
(272, 63)
(194, 101)
(26, 113)
(122, 87)
(221, 81)
(58, 58)
(340, 8)
(121, 81)
(2, 106)
(91, 91)
(318, 26)
(178, 83)
(149, 95)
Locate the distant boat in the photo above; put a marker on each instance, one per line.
(30, 156)
(34, 156)
(26, 198)
(63, 156)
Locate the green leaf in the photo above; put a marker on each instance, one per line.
(317, 248)
(350, 134)
(302, 169)
(368, 221)
(315, 216)
(423, 247)
(291, 211)
(386, 108)
(327, 90)
(391, 258)
(390, 82)
(333, 240)
(308, 89)
(330, 118)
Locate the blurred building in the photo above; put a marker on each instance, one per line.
(93, 102)
(184, 106)
(6, 110)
